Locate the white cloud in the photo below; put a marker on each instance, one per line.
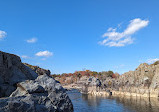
(150, 61)
(25, 57)
(32, 40)
(111, 29)
(44, 54)
(119, 39)
(2, 34)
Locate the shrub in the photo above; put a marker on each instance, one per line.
(156, 63)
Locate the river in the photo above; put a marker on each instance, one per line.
(88, 103)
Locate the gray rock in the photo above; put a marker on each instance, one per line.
(29, 103)
(92, 81)
(91, 84)
(155, 80)
(29, 92)
(45, 92)
(12, 71)
(144, 80)
(38, 70)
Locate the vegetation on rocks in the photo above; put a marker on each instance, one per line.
(70, 78)
(144, 81)
(38, 70)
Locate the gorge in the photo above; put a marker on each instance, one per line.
(24, 87)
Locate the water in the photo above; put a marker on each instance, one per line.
(88, 103)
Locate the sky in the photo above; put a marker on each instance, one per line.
(70, 35)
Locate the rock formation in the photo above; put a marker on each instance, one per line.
(92, 84)
(43, 94)
(32, 93)
(38, 70)
(144, 81)
(12, 71)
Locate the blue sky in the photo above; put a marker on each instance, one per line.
(69, 35)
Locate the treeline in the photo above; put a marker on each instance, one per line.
(69, 78)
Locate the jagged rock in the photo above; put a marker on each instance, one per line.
(90, 85)
(143, 81)
(12, 71)
(29, 103)
(42, 95)
(155, 80)
(33, 93)
(38, 70)
(82, 80)
(92, 81)
(144, 76)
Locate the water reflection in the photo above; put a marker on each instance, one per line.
(88, 103)
(140, 104)
(91, 100)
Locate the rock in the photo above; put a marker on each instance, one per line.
(29, 92)
(82, 80)
(144, 81)
(38, 70)
(12, 71)
(92, 84)
(43, 94)
(29, 103)
(155, 80)
(92, 81)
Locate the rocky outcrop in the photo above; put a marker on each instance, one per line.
(27, 91)
(143, 82)
(90, 85)
(43, 94)
(38, 70)
(12, 71)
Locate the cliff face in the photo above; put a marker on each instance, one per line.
(90, 85)
(144, 76)
(144, 81)
(38, 70)
(22, 90)
(12, 71)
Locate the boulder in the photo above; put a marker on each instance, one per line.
(90, 85)
(44, 94)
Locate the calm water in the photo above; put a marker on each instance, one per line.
(88, 103)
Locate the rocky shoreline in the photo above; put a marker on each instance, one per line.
(143, 82)
(24, 87)
(92, 91)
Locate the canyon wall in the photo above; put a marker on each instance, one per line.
(142, 82)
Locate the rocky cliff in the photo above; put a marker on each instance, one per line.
(12, 71)
(144, 81)
(38, 70)
(90, 85)
(22, 90)
(44, 94)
